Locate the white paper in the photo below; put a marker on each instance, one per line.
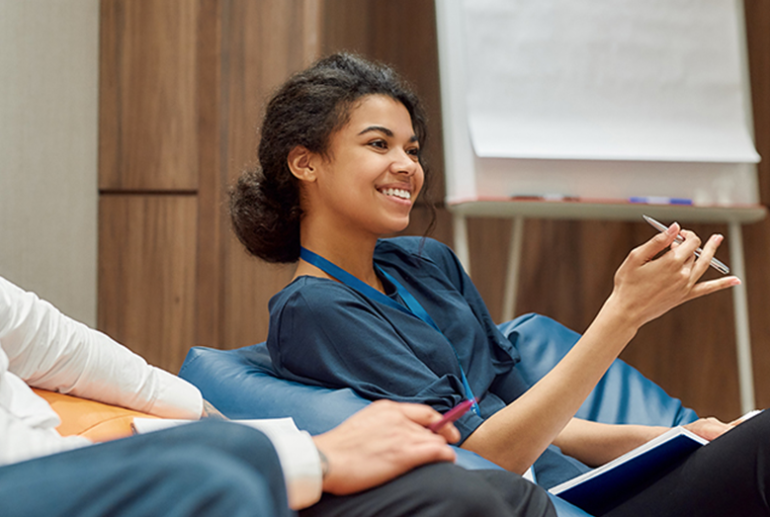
(606, 79)
(272, 427)
(597, 99)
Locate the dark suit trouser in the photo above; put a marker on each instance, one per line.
(218, 469)
(728, 477)
(206, 468)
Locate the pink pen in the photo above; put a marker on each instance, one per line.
(453, 414)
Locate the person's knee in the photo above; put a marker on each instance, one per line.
(245, 443)
(468, 493)
(520, 497)
(202, 482)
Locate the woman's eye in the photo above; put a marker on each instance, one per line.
(379, 144)
(415, 151)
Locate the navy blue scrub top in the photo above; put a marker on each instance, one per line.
(325, 333)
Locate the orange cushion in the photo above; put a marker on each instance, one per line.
(96, 421)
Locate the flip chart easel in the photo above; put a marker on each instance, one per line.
(679, 131)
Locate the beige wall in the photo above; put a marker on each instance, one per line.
(48, 150)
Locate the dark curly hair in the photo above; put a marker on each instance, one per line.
(306, 110)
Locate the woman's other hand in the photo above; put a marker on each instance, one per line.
(709, 428)
(652, 281)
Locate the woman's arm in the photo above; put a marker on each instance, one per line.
(595, 444)
(645, 287)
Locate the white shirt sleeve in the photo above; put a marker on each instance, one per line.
(52, 351)
(41, 347)
(22, 441)
(301, 466)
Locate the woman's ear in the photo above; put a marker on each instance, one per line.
(300, 161)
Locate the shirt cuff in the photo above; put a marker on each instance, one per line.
(177, 398)
(301, 468)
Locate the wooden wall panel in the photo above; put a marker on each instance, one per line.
(262, 45)
(347, 25)
(148, 131)
(757, 236)
(209, 274)
(147, 272)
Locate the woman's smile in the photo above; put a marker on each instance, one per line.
(399, 194)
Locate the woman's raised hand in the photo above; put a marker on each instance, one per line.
(649, 283)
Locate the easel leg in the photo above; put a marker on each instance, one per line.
(740, 306)
(460, 229)
(514, 264)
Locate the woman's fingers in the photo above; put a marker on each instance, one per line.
(685, 250)
(653, 280)
(704, 261)
(650, 249)
(712, 286)
(699, 265)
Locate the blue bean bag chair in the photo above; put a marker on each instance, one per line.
(242, 384)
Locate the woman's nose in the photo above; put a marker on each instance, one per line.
(404, 163)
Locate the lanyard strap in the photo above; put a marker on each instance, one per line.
(413, 307)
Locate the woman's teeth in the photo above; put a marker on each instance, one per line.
(397, 192)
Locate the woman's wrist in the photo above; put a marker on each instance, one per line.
(618, 317)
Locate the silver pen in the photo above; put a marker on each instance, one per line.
(716, 264)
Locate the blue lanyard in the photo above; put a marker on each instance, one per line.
(413, 307)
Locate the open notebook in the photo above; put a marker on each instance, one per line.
(601, 489)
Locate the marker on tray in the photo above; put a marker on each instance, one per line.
(453, 414)
(544, 197)
(660, 200)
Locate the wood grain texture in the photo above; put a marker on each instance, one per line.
(263, 43)
(147, 274)
(148, 117)
(212, 224)
(757, 236)
(347, 26)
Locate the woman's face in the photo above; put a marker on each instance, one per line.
(371, 175)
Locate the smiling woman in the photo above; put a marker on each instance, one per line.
(341, 166)
(305, 121)
(400, 319)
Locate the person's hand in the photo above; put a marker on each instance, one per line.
(381, 442)
(209, 411)
(709, 428)
(648, 285)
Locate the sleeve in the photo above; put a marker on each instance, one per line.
(332, 337)
(446, 260)
(51, 351)
(510, 385)
(301, 466)
(23, 442)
